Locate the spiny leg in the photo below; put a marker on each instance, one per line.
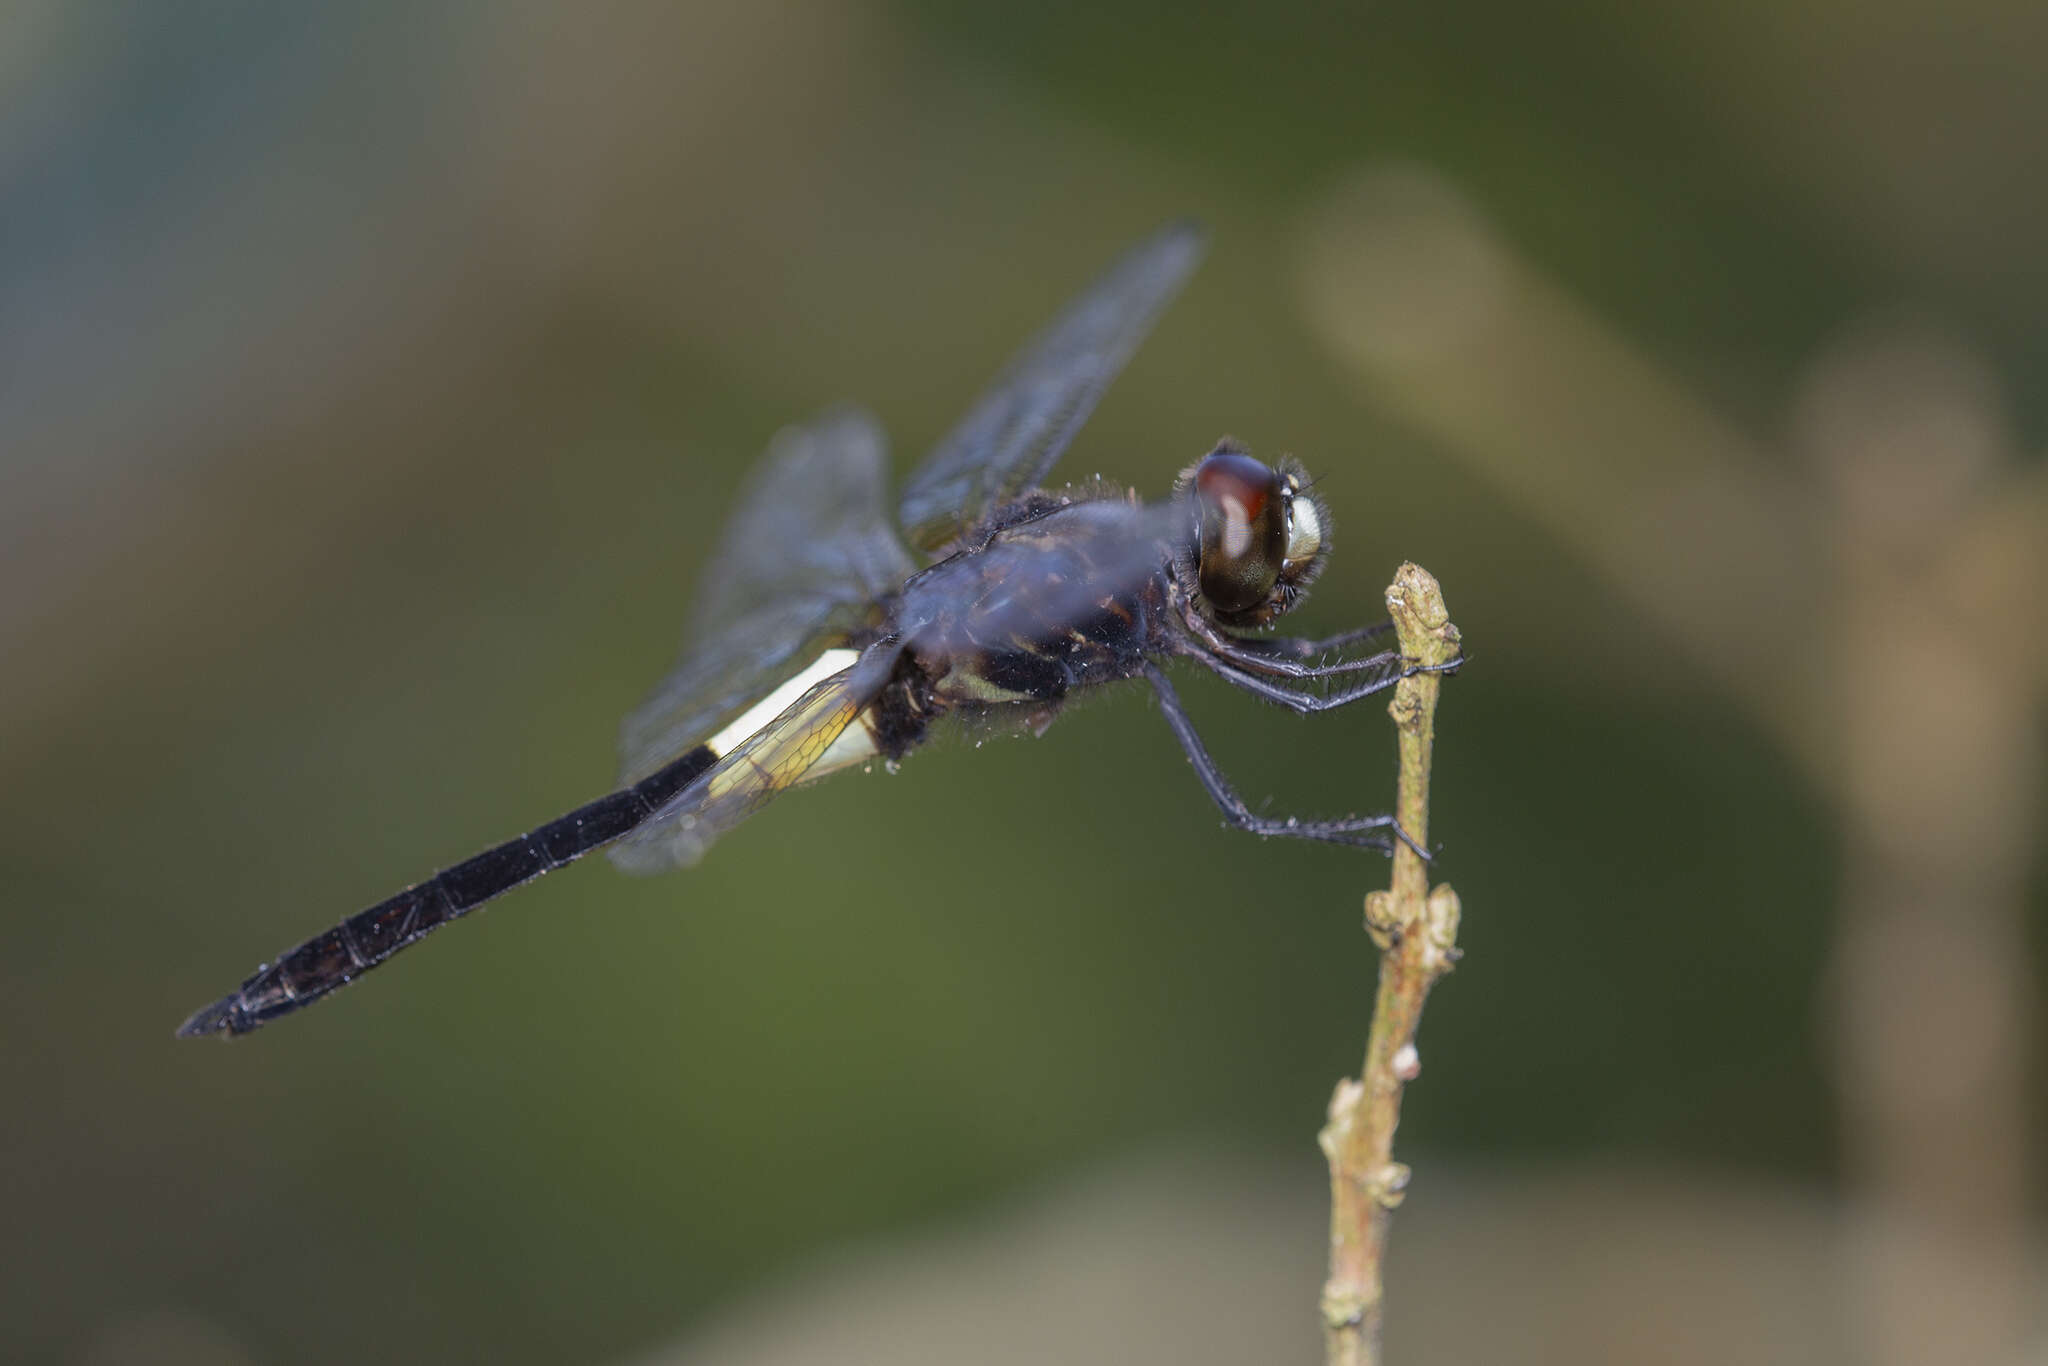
(1286, 656)
(1390, 669)
(1360, 831)
(1281, 667)
(1302, 648)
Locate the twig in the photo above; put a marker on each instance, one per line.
(1416, 930)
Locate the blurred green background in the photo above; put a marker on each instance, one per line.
(373, 381)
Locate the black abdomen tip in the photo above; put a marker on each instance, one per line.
(224, 1014)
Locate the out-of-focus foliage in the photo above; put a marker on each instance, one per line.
(372, 382)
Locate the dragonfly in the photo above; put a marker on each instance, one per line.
(825, 637)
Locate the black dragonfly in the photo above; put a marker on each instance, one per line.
(820, 643)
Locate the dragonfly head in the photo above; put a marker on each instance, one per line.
(1260, 537)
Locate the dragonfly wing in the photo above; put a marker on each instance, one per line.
(773, 759)
(804, 556)
(810, 520)
(1015, 432)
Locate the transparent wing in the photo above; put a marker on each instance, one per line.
(719, 678)
(810, 519)
(1015, 432)
(804, 556)
(773, 759)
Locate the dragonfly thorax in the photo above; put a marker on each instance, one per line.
(1061, 594)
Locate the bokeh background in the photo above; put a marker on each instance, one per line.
(373, 380)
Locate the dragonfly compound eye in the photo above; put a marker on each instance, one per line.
(1244, 530)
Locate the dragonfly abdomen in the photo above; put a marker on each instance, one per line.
(329, 961)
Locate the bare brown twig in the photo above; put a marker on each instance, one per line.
(1416, 930)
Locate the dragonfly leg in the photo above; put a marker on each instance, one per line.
(1287, 656)
(1366, 832)
(1302, 648)
(1384, 671)
(1283, 667)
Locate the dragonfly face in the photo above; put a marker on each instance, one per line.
(1260, 539)
(831, 634)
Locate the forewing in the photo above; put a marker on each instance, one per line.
(773, 759)
(1015, 432)
(806, 552)
(811, 519)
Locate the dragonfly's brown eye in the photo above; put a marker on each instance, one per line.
(1243, 530)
